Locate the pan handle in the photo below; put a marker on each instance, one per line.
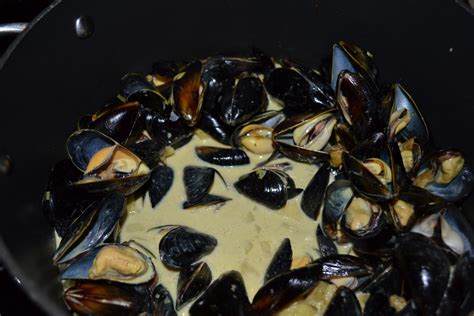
(12, 28)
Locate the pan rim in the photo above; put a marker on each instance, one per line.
(27, 286)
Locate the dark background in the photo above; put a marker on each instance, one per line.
(14, 301)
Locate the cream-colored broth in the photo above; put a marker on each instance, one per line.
(248, 233)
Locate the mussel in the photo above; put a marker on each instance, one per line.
(338, 195)
(98, 222)
(161, 180)
(281, 261)
(162, 302)
(102, 298)
(188, 93)
(313, 195)
(349, 57)
(106, 165)
(270, 187)
(303, 137)
(256, 134)
(245, 98)
(197, 183)
(222, 156)
(425, 269)
(344, 302)
(112, 262)
(447, 175)
(193, 280)
(225, 296)
(183, 246)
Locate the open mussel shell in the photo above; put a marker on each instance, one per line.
(338, 194)
(425, 269)
(268, 187)
(110, 299)
(84, 144)
(411, 204)
(255, 135)
(303, 137)
(348, 57)
(107, 166)
(98, 222)
(222, 156)
(188, 93)
(112, 262)
(406, 120)
(182, 246)
(225, 296)
(363, 180)
(363, 218)
(446, 174)
(449, 228)
(193, 280)
(243, 100)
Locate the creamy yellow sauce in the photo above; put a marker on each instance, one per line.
(248, 233)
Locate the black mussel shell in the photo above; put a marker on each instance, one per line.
(245, 99)
(197, 182)
(313, 195)
(281, 261)
(344, 303)
(206, 200)
(165, 70)
(132, 83)
(122, 122)
(97, 223)
(213, 125)
(102, 298)
(149, 151)
(183, 246)
(334, 266)
(282, 289)
(188, 92)
(359, 105)
(349, 57)
(378, 304)
(152, 101)
(295, 90)
(267, 187)
(326, 245)
(162, 302)
(459, 297)
(225, 296)
(425, 270)
(161, 180)
(222, 156)
(63, 202)
(170, 130)
(192, 281)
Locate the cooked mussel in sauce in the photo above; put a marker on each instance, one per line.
(256, 185)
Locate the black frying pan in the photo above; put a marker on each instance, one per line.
(49, 78)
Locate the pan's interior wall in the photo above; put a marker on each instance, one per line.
(52, 78)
